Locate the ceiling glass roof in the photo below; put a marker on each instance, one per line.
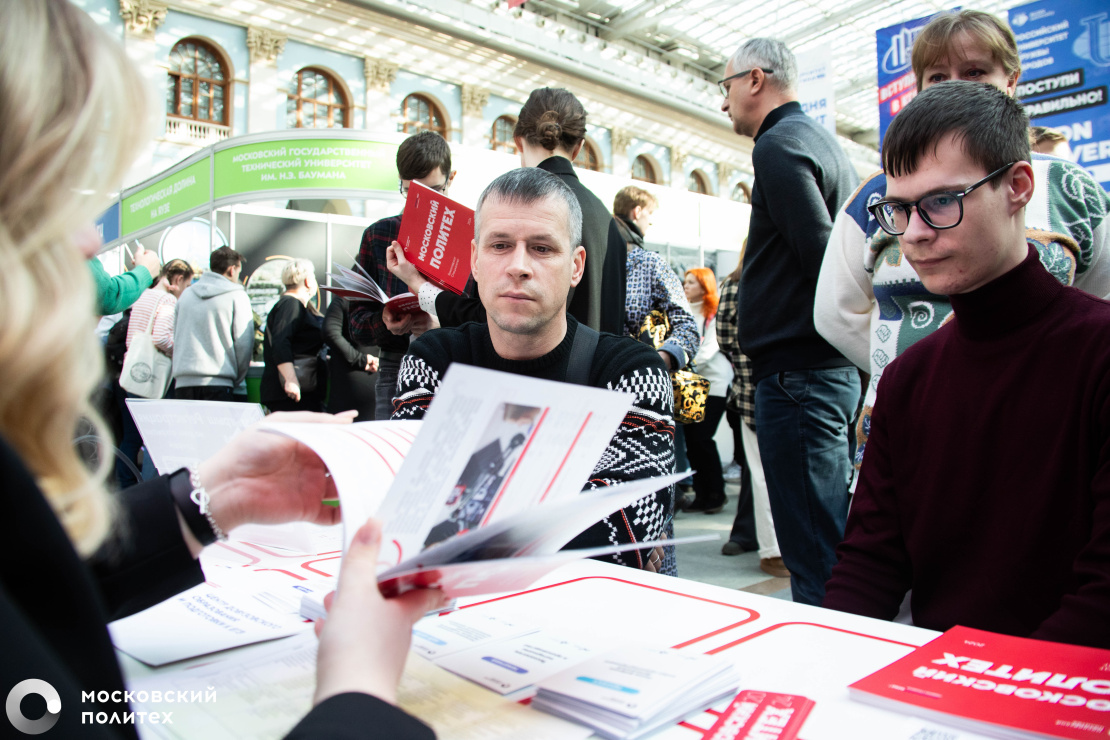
(702, 34)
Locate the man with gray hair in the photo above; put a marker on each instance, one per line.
(526, 257)
(806, 391)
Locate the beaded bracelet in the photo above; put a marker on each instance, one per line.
(192, 501)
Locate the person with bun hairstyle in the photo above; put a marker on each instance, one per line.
(74, 555)
(549, 134)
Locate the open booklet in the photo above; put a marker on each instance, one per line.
(359, 286)
(481, 499)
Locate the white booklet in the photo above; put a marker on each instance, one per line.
(482, 499)
(180, 433)
(512, 666)
(203, 619)
(636, 689)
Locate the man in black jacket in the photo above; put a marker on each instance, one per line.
(806, 391)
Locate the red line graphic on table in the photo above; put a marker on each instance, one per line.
(773, 627)
(252, 558)
(308, 565)
(752, 614)
(279, 570)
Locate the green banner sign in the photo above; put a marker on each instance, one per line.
(305, 164)
(337, 163)
(167, 198)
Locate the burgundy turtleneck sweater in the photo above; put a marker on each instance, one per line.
(986, 484)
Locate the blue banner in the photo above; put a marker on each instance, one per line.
(1065, 60)
(107, 224)
(897, 86)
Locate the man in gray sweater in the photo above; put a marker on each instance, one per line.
(214, 334)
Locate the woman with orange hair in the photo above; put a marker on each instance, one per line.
(709, 484)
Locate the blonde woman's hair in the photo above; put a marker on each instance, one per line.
(295, 271)
(73, 107)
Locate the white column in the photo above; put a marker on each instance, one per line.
(724, 177)
(678, 168)
(619, 139)
(141, 18)
(264, 98)
(379, 106)
(475, 132)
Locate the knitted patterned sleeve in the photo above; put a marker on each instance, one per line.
(643, 447)
(1079, 207)
(417, 383)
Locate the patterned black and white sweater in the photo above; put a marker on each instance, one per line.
(643, 447)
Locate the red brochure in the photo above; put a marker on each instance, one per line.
(436, 233)
(998, 685)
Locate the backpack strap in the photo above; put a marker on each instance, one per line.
(582, 355)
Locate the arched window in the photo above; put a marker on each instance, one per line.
(697, 182)
(643, 169)
(197, 83)
(317, 100)
(501, 137)
(741, 193)
(421, 114)
(588, 158)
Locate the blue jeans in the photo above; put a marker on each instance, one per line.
(803, 418)
(385, 388)
(129, 444)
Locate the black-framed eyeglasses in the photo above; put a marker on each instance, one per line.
(944, 210)
(745, 73)
(438, 188)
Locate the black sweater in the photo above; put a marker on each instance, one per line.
(986, 484)
(291, 332)
(802, 177)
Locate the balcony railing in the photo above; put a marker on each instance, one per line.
(195, 132)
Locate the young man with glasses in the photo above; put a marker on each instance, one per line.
(986, 485)
(806, 391)
(870, 303)
(425, 158)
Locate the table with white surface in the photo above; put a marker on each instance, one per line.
(777, 646)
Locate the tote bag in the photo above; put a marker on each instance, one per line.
(146, 371)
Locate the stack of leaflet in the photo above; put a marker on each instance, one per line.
(632, 691)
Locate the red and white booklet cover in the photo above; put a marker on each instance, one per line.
(359, 286)
(998, 685)
(436, 233)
